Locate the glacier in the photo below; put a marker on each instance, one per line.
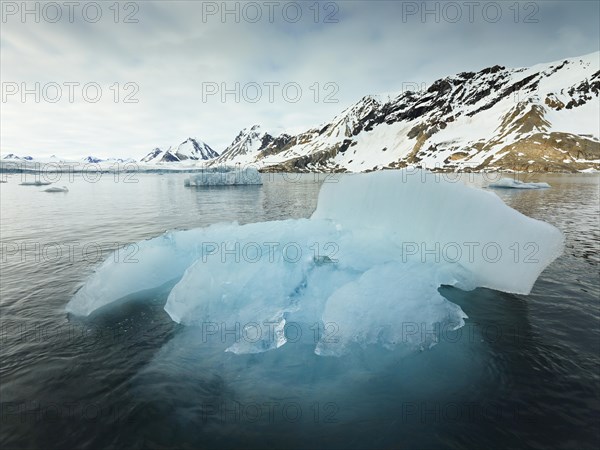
(365, 266)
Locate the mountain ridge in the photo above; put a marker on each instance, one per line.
(542, 118)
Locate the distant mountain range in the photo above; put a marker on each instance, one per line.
(542, 118)
(13, 156)
(56, 159)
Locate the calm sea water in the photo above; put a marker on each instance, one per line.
(523, 372)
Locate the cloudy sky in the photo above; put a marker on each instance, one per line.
(121, 81)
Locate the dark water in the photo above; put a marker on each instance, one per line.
(523, 372)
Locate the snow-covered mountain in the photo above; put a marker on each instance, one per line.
(542, 118)
(248, 144)
(152, 156)
(121, 160)
(42, 159)
(190, 149)
(92, 160)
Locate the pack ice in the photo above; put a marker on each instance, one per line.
(369, 261)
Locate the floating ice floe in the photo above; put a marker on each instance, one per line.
(57, 189)
(225, 176)
(34, 183)
(370, 260)
(509, 183)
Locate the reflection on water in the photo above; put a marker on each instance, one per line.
(522, 372)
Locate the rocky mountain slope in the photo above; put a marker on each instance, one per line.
(250, 143)
(542, 118)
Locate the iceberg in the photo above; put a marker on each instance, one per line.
(365, 267)
(509, 183)
(225, 176)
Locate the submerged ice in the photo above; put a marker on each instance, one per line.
(368, 262)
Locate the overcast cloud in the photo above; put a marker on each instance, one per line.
(173, 51)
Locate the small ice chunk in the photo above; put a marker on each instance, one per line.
(57, 189)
